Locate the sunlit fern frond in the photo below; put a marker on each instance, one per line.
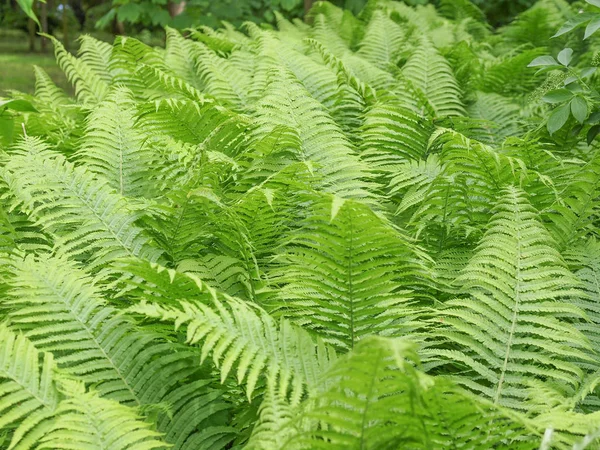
(432, 74)
(60, 309)
(339, 279)
(516, 324)
(114, 148)
(325, 146)
(180, 57)
(377, 399)
(96, 55)
(383, 41)
(90, 221)
(89, 86)
(244, 339)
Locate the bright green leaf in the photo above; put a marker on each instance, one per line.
(579, 108)
(558, 118)
(17, 105)
(565, 56)
(558, 96)
(592, 27)
(594, 2)
(573, 23)
(543, 61)
(129, 12)
(27, 7)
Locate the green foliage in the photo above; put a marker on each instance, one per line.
(370, 231)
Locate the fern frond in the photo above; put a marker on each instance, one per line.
(96, 55)
(90, 422)
(89, 219)
(321, 141)
(89, 86)
(243, 335)
(60, 309)
(29, 395)
(113, 147)
(383, 41)
(432, 74)
(377, 399)
(346, 274)
(517, 323)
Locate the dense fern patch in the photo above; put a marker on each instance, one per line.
(370, 232)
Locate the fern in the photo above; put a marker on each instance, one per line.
(507, 330)
(430, 72)
(87, 217)
(348, 232)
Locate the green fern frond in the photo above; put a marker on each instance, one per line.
(383, 42)
(89, 86)
(180, 57)
(90, 422)
(517, 323)
(346, 274)
(29, 395)
(60, 309)
(321, 140)
(89, 220)
(377, 399)
(96, 55)
(242, 335)
(113, 146)
(432, 74)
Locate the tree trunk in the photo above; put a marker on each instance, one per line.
(65, 24)
(31, 29)
(307, 5)
(175, 8)
(117, 27)
(44, 23)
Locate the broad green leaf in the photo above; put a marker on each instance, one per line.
(17, 105)
(27, 7)
(592, 133)
(543, 61)
(288, 5)
(579, 108)
(557, 96)
(130, 12)
(558, 118)
(588, 72)
(574, 22)
(592, 27)
(565, 56)
(594, 2)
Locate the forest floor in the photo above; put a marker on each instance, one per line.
(16, 65)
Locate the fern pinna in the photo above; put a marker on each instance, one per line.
(356, 232)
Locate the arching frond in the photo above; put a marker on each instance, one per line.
(431, 73)
(383, 41)
(346, 274)
(90, 221)
(29, 395)
(89, 86)
(113, 147)
(377, 399)
(242, 335)
(515, 324)
(90, 422)
(58, 307)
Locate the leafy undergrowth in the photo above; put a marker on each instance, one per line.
(353, 234)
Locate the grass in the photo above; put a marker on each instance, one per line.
(16, 64)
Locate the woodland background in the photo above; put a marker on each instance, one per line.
(21, 47)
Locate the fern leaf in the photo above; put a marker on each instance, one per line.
(432, 74)
(88, 217)
(515, 326)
